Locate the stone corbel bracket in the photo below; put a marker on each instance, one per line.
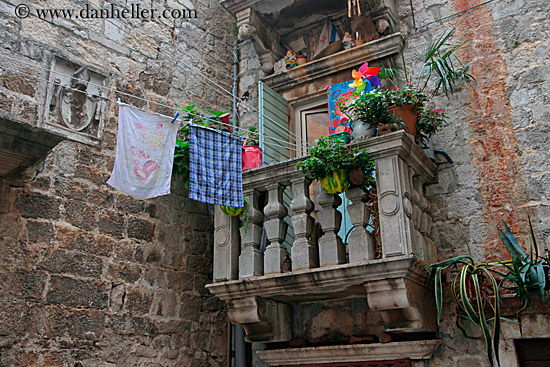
(263, 320)
(404, 302)
(383, 15)
(266, 41)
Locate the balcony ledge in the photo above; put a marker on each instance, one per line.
(395, 287)
(415, 350)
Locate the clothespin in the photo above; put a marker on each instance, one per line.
(118, 100)
(175, 117)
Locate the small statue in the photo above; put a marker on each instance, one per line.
(348, 42)
(290, 59)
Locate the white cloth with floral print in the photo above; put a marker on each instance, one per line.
(144, 153)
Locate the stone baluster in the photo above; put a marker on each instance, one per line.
(331, 247)
(304, 252)
(251, 260)
(275, 228)
(361, 242)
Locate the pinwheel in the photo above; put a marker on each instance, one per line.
(365, 75)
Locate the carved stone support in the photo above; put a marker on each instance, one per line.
(405, 304)
(305, 254)
(266, 41)
(251, 260)
(383, 14)
(226, 246)
(275, 228)
(361, 242)
(263, 320)
(331, 247)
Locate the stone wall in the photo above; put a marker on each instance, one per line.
(88, 275)
(499, 138)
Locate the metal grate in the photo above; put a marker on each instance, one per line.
(405, 362)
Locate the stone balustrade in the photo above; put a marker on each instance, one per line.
(241, 267)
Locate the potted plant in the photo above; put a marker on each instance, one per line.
(369, 111)
(410, 106)
(331, 161)
(252, 153)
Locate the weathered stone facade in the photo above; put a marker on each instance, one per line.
(88, 275)
(498, 137)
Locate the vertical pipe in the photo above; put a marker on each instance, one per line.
(240, 346)
(235, 78)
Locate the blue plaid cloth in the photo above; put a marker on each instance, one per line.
(216, 168)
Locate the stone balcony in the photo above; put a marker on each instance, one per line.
(260, 289)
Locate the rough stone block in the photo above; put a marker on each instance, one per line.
(77, 293)
(38, 206)
(112, 223)
(140, 228)
(61, 261)
(125, 271)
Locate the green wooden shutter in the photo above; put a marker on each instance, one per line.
(273, 121)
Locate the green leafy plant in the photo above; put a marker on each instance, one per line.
(370, 107)
(471, 287)
(441, 65)
(331, 155)
(251, 136)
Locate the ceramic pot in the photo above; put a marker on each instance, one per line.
(231, 210)
(408, 115)
(361, 128)
(336, 183)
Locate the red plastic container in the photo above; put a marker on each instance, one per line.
(251, 156)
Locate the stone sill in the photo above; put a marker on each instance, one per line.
(331, 64)
(415, 350)
(321, 284)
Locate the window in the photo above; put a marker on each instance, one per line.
(533, 352)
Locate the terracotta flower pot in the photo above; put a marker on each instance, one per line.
(408, 115)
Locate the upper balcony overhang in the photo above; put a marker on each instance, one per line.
(335, 63)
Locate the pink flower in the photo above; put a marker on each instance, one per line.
(394, 88)
(442, 111)
(436, 110)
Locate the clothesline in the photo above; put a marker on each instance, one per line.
(289, 145)
(218, 88)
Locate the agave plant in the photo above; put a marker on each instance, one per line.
(471, 288)
(475, 289)
(526, 272)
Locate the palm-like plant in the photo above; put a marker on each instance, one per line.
(441, 64)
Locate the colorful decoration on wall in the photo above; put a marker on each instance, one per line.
(341, 95)
(290, 59)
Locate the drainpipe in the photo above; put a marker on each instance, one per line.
(237, 333)
(235, 78)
